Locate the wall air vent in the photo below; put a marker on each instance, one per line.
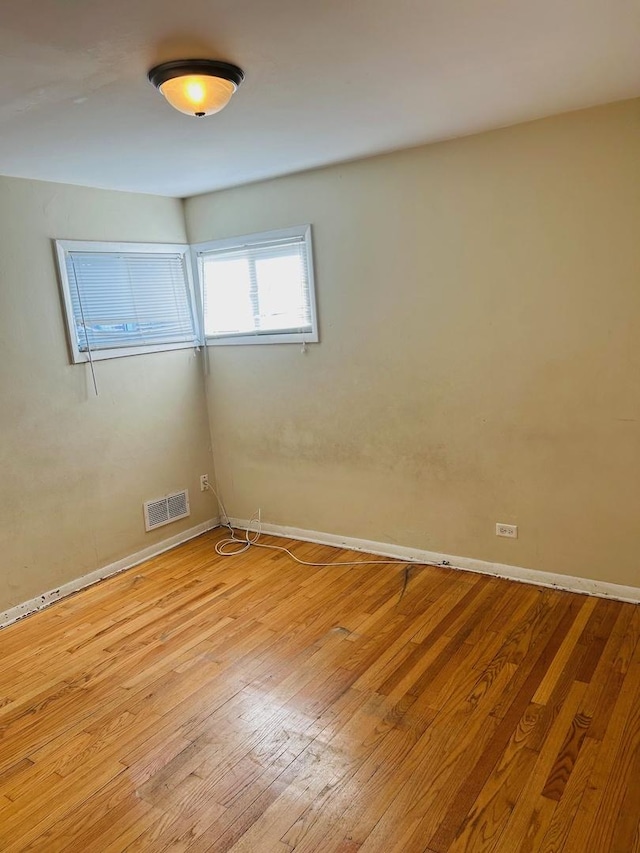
(165, 510)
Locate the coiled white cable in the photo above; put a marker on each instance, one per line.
(233, 546)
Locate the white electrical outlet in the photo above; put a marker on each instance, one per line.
(508, 530)
(204, 482)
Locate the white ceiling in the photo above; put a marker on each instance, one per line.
(326, 80)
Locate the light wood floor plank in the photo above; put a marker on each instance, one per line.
(197, 703)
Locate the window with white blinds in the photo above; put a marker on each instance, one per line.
(123, 299)
(258, 288)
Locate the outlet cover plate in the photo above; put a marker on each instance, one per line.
(508, 530)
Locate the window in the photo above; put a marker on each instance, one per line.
(126, 298)
(258, 288)
(129, 298)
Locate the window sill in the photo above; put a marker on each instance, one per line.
(241, 340)
(122, 352)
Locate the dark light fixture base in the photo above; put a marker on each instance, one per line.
(159, 74)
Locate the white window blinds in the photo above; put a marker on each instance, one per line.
(261, 287)
(125, 299)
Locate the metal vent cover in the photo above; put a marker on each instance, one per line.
(165, 510)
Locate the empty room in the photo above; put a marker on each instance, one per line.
(320, 426)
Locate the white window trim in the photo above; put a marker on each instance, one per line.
(80, 357)
(303, 231)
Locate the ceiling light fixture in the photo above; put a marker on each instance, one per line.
(197, 87)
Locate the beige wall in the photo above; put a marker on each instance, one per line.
(479, 304)
(75, 469)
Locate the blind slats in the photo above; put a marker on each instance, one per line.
(257, 289)
(129, 299)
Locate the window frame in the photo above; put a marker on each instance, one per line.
(78, 356)
(248, 240)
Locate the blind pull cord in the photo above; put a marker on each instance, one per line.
(84, 329)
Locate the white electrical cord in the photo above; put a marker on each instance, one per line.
(233, 545)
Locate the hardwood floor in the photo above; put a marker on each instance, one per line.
(250, 704)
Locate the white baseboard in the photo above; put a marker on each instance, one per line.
(47, 598)
(467, 564)
(381, 549)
